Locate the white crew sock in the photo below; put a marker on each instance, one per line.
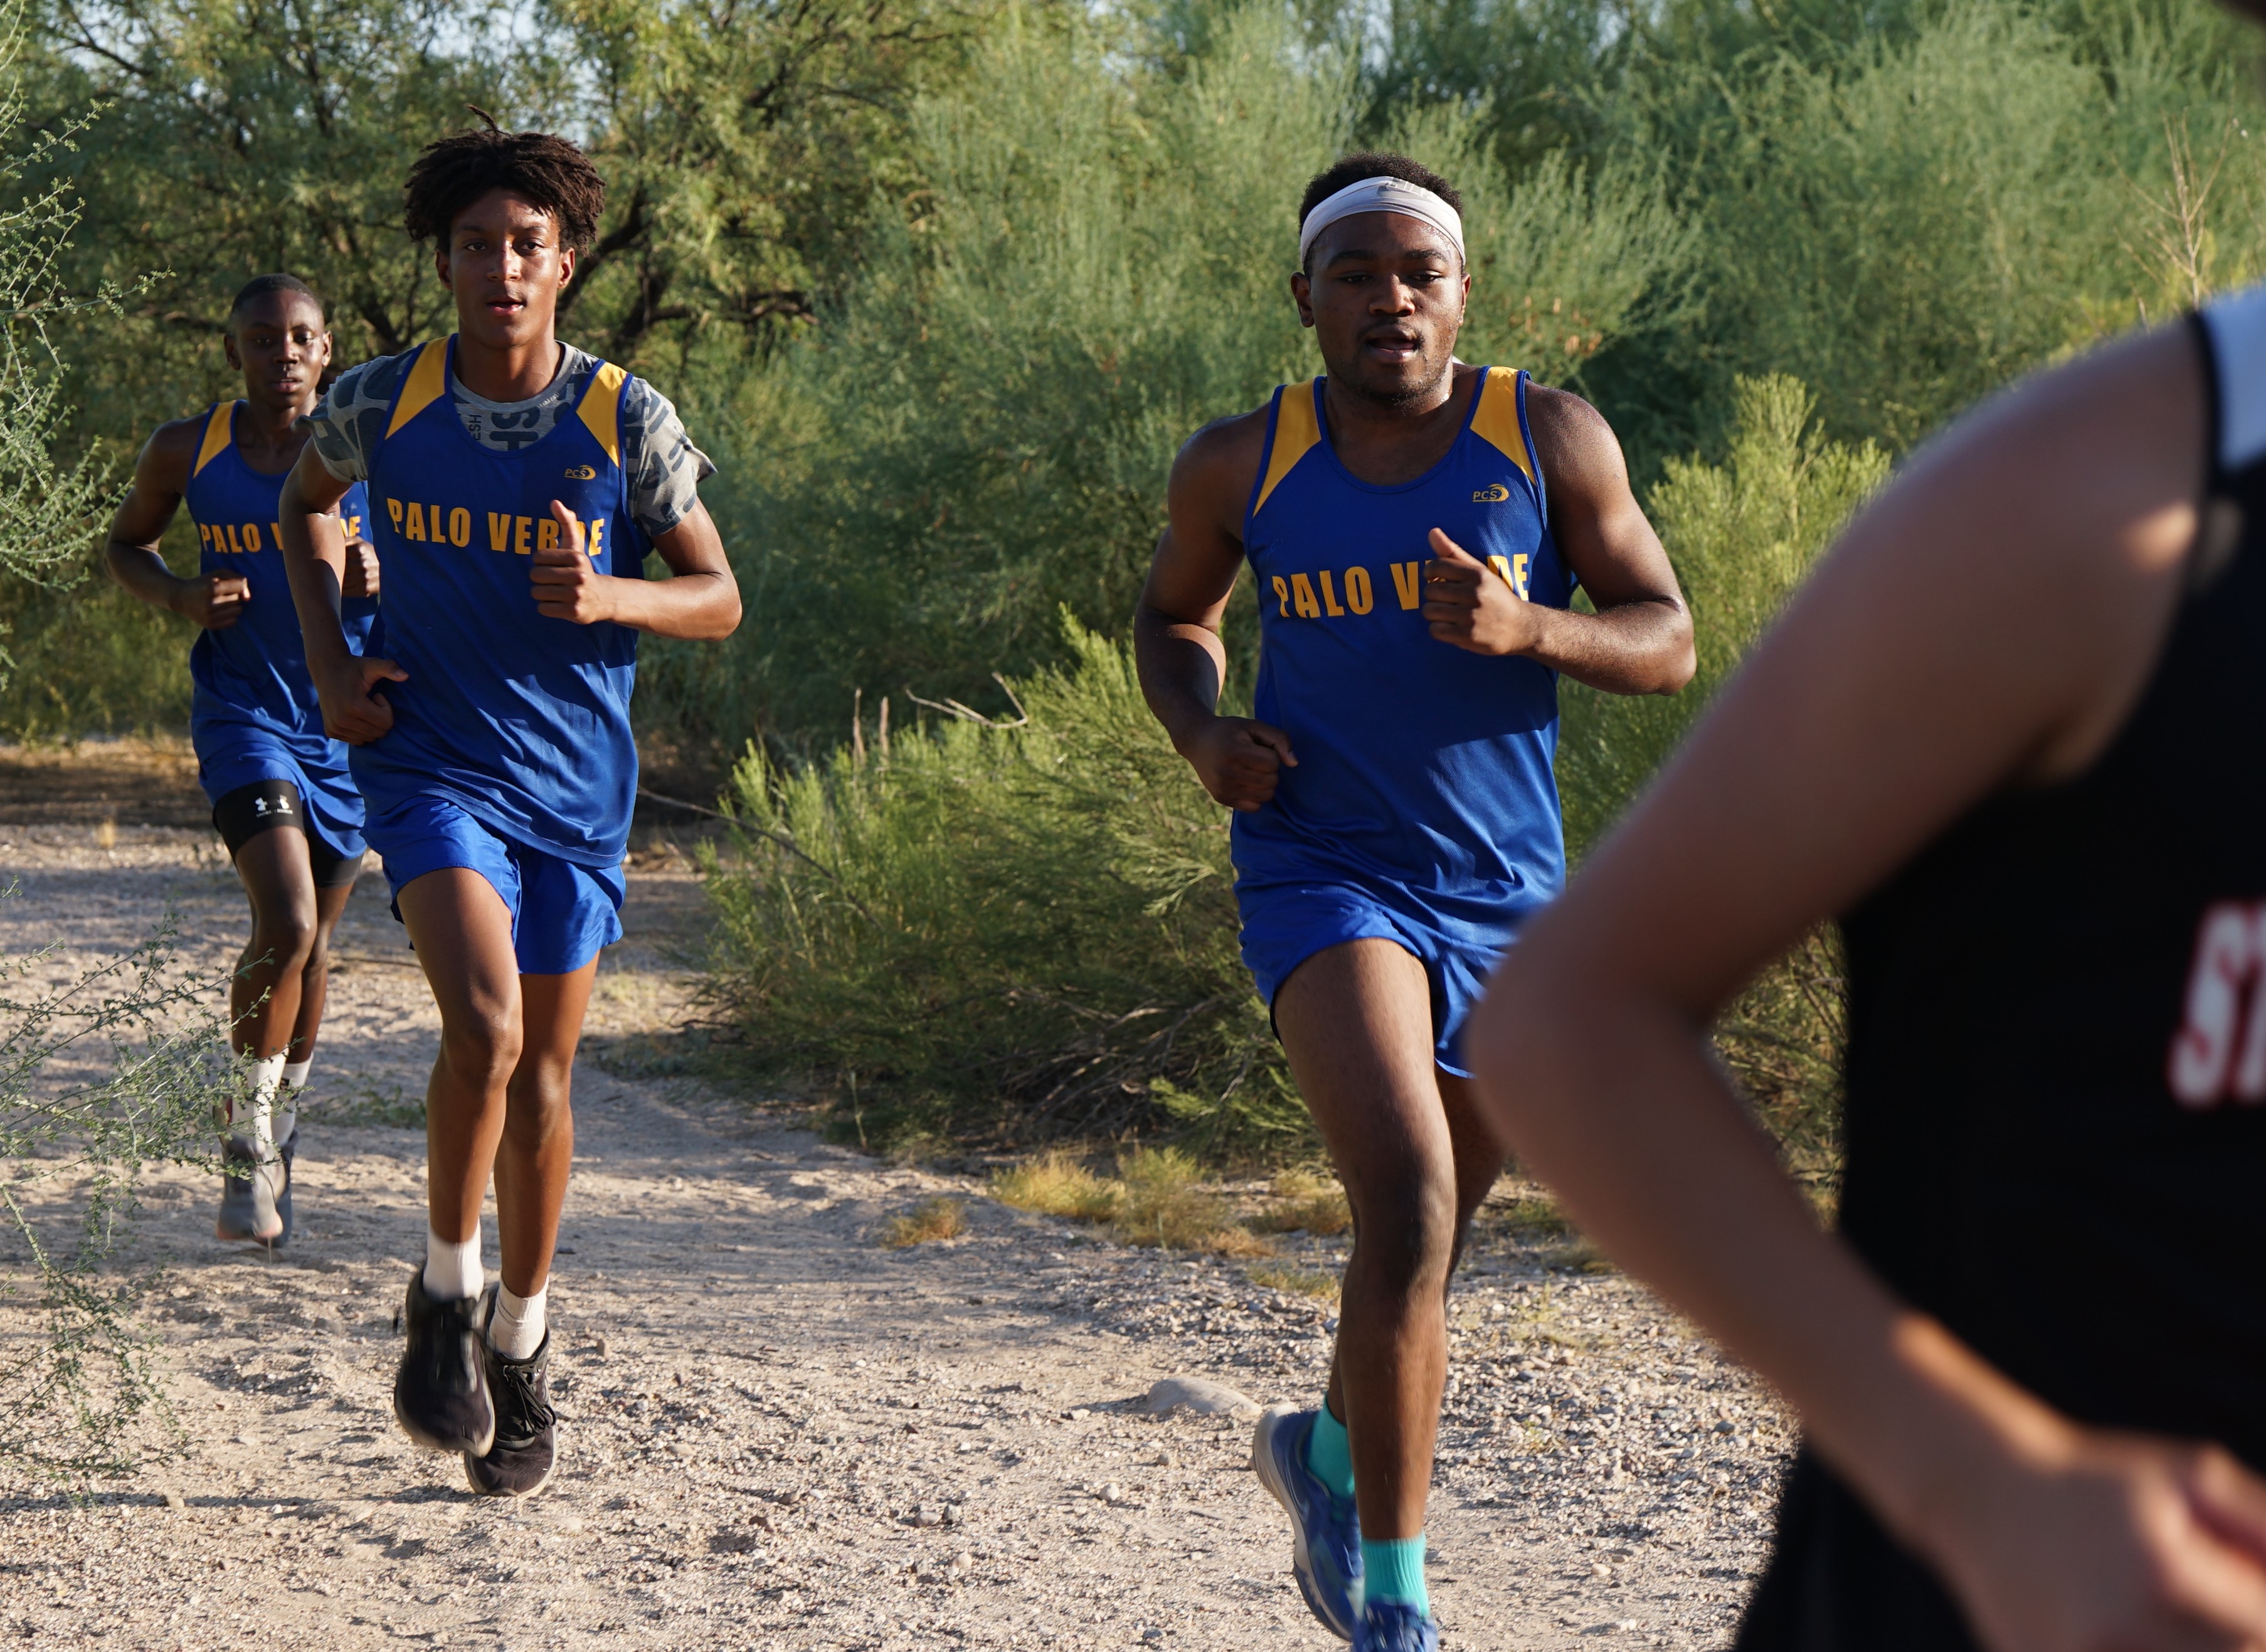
(453, 1271)
(516, 1330)
(267, 1079)
(287, 1100)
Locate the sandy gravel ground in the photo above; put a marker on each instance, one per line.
(775, 1432)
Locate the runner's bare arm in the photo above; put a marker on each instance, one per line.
(1990, 621)
(314, 557)
(1640, 639)
(700, 603)
(1176, 643)
(161, 475)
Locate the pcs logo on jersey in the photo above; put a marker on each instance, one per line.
(581, 473)
(1493, 496)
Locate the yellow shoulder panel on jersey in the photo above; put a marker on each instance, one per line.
(1297, 428)
(428, 382)
(220, 430)
(1495, 419)
(602, 408)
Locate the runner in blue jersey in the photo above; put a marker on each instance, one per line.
(1415, 527)
(281, 798)
(516, 485)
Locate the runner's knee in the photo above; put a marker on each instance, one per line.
(1406, 1218)
(538, 1098)
(538, 1105)
(481, 1045)
(286, 938)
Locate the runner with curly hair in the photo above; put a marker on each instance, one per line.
(517, 486)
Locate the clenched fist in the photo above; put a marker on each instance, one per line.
(214, 600)
(361, 569)
(1468, 603)
(1239, 760)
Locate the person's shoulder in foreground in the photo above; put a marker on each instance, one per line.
(2017, 613)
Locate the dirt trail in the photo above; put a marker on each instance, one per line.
(775, 1433)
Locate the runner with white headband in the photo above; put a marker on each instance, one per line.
(1416, 526)
(1380, 194)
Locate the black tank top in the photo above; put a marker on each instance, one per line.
(2055, 1137)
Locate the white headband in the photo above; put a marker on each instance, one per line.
(1382, 195)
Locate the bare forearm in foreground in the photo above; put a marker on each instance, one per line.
(1872, 719)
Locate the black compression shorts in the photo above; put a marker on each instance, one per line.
(244, 814)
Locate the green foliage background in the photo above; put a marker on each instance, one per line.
(943, 283)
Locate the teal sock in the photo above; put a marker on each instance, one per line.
(1329, 1454)
(1394, 1570)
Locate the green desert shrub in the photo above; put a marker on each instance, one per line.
(943, 301)
(1907, 213)
(1007, 933)
(1741, 534)
(89, 658)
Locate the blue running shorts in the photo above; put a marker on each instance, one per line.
(561, 913)
(1286, 924)
(231, 755)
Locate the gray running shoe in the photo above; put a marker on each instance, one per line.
(519, 1462)
(288, 1148)
(248, 1188)
(441, 1391)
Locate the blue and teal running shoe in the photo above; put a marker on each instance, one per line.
(1394, 1625)
(1325, 1532)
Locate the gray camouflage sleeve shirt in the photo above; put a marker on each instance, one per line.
(663, 469)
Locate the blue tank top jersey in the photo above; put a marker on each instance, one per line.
(1424, 769)
(520, 720)
(253, 674)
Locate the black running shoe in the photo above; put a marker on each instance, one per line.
(519, 1463)
(441, 1393)
(248, 1185)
